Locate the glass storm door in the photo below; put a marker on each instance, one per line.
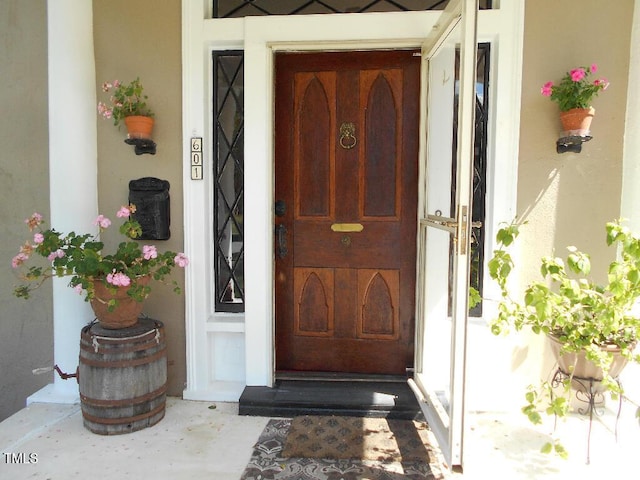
(445, 196)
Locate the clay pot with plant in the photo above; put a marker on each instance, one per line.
(585, 321)
(574, 94)
(114, 283)
(128, 104)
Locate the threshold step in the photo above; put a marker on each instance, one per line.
(288, 398)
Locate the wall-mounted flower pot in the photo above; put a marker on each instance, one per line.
(577, 121)
(139, 126)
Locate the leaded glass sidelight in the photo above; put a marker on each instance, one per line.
(247, 8)
(228, 174)
(480, 173)
(479, 169)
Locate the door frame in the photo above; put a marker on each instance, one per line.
(210, 375)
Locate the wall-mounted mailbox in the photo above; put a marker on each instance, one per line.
(151, 198)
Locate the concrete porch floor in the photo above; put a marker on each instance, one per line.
(209, 440)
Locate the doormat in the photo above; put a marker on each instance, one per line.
(359, 438)
(326, 448)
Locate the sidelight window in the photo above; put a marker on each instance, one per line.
(228, 175)
(479, 169)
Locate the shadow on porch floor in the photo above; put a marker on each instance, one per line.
(207, 440)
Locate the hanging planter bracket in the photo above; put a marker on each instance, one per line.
(571, 143)
(142, 145)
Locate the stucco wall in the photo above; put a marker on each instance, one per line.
(26, 332)
(567, 198)
(142, 38)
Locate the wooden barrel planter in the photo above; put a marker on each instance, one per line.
(122, 376)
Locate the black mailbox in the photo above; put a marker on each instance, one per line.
(151, 198)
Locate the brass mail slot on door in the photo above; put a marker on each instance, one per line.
(347, 227)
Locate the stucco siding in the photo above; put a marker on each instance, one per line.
(143, 39)
(567, 198)
(26, 332)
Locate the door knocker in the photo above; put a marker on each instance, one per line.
(347, 135)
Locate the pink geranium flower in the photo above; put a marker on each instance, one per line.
(118, 279)
(57, 254)
(577, 74)
(546, 89)
(601, 82)
(27, 249)
(149, 252)
(33, 221)
(19, 259)
(181, 260)
(124, 212)
(102, 221)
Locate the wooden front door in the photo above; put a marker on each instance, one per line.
(346, 156)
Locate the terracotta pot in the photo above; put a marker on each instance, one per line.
(585, 369)
(127, 310)
(577, 121)
(139, 126)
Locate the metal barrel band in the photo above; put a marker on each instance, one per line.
(125, 363)
(115, 340)
(121, 421)
(96, 402)
(97, 340)
(107, 350)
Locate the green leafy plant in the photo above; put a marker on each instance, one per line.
(575, 90)
(584, 316)
(125, 100)
(81, 257)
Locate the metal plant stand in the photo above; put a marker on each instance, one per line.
(587, 392)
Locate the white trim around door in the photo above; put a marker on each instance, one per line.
(226, 352)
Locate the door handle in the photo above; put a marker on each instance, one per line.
(281, 241)
(455, 226)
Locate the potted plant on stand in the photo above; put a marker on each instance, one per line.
(573, 95)
(590, 325)
(122, 372)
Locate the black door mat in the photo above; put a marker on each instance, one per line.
(288, 398)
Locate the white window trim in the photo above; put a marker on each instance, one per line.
(260, 37)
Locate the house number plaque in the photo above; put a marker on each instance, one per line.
(196, 158)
